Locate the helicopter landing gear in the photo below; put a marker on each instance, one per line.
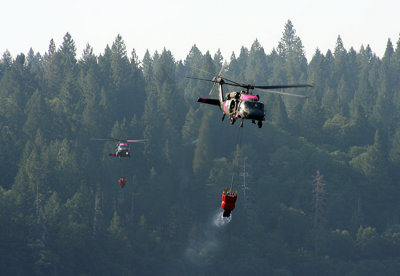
(259, 124)
(241, 123)
(223, 117)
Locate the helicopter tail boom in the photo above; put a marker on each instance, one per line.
(209, 101)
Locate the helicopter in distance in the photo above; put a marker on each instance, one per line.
(242, 104)
(122, 147)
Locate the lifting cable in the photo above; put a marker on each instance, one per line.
(237, 154)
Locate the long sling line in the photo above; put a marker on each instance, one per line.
(236, 160)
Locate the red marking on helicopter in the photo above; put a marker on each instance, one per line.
(247, 97)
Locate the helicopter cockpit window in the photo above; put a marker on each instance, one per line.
(253, 105)
(232, 105)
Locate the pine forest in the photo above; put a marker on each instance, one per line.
(318, 185)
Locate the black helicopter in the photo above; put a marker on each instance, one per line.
(122, 147)
(243, 104)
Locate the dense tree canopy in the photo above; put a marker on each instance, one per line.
(318, 184)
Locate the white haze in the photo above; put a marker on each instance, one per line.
(179, 24)
(206, 242)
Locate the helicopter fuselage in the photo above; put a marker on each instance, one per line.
(122, 147)
(121, 150)
(244, 106)
(123, 153)
(239, 105)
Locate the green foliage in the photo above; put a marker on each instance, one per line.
(203, 146)
(372, 161)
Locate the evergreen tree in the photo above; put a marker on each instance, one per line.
(53, 70)
(147, 66)
(138, 85)
(119, 64)
(37, 115)
(239, 70)
(88, 60)
(68, 53)
(6, 61)
(331, 103)
(319, 202)
(122, 95)
(69, 99)
(373, 160)
(340, 72)
(394, 152)
(383, 110)
(106, 76)
(353, 70)
(278, 113)
(162, 94)
(194, 66)
(218, 59)
(290, 43)
(256, 66)
(291, 52)
(18, 83)
(34, 63)
(364, 97)
(168, 97)
(312, 117)
(93, 112)
(318, 73)
(202, 151)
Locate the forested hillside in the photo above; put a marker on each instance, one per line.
(319, 194)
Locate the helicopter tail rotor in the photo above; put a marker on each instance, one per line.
(217, 79)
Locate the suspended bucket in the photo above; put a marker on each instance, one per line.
(228, 201)
(122, 182)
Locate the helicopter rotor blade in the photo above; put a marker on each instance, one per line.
(230, 82)
(194, 78)
(202, 70)
(212, 88)
(280, 92)
(104, 139)
(135, 141)
(234, 83)
(218, 76)
(118, 140)
(267, 87)
(282, 86)
(222, 69)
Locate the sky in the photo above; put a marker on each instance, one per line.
(177, 25)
